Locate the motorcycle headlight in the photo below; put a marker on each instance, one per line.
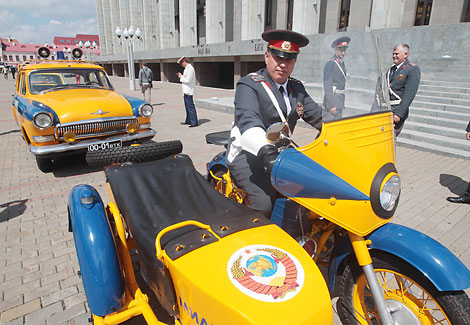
(42, 120)
(390, 192)
(145, 110)
(385, 191)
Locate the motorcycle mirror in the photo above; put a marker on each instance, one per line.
(277, 132)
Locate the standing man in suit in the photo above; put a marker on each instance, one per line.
(403, 79)
(334, 80)
(261, 99)
(465, 197)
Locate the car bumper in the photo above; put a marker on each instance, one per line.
(83, 146)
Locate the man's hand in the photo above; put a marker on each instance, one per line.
(179, 75)
(468, 135)
(396, 118)
(333, 110)
(268, 154)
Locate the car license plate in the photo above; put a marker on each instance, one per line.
(105, 145)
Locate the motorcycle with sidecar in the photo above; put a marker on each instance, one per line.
(210, 260)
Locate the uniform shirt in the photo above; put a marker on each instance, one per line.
(255, 112)
(188, 80)
(334, 77)
(404, 82)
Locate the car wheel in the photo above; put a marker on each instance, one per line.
(147, 151)
(44, 164)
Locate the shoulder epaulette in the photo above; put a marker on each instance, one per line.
(412, 64)
(295, 80)
(256, 77)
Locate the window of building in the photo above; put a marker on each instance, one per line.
(270, 7)
(201, 21)
(344, 15)
(17, 57)
(466, 12)
(229, 20)
(61, 40)
(5, 58)
(68, 41)
(24, 57)
(290, 14)
(10, 57)
(31, 57)
(177, 15)
(76, 41)
(423, 12)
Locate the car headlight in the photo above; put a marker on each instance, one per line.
(385, 191)
(145, 110)
(390, 193)
(42, 120)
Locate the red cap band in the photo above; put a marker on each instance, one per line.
(284, 46)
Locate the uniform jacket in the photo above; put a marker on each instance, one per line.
(468, 127)
(404, 82)
(188, 80)
(254, 108)
(334, 78)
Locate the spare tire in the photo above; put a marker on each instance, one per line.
(146, 151)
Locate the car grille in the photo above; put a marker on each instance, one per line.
(94, 128)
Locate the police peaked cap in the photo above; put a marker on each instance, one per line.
(285, 43)
(341, 42)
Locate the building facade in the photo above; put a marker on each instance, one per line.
(223, 36)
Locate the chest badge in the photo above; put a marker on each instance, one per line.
(300, 109)
(400, 77)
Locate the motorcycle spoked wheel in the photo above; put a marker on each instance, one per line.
(147, 151)
(412, 296)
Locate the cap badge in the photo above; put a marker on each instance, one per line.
(286, 46)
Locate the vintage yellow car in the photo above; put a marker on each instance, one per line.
(64, 107)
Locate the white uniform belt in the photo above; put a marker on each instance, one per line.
(339, 91)
(395, 102)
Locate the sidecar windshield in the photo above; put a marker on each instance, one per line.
(347, 76)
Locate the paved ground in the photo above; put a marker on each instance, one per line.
(38, 265)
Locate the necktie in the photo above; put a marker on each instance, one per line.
(286, 99)
(392, 70)
(281, 89)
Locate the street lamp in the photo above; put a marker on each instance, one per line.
(88, 50)
(128, 35)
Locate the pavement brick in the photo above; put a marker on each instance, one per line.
(17, 312)
(42, 315)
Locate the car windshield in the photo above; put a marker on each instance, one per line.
(46, 80)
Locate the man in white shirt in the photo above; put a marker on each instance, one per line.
(188, 81)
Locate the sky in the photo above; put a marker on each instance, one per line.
(39, 21)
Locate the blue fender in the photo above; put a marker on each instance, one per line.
(445, 271)
(99, 265)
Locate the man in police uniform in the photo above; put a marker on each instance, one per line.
(334, 80)
(250, 156)
(465, 197)
(403, 79)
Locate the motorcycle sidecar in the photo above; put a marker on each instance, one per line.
(208, 259)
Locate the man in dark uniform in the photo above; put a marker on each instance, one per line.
(465, 197)
(334, 80)
(403, 78)
(250, 156)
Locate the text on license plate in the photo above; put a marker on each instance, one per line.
(105, 145)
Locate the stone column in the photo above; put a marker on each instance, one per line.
(237, 20)
(332, 16)
(104, 49)
(236, 71)
(252, 15)
(115, 22)
(443, 13)
(386, 14)
(359, 15)
(307, 16)
(215, 21)
(281, 14)
(409, 13)
(188, 22)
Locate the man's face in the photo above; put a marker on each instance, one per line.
(340, 52)
(279, 68)
(399, 55)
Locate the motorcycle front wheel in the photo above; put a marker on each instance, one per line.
(409, 295)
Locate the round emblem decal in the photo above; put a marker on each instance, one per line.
(266, 273)
(286, 46)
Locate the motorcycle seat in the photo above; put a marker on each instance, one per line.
(154, 195)
(218, 138)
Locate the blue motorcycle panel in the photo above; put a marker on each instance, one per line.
(296, 175)
(445, 271)
(96, 251)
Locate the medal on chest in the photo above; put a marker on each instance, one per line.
(300, 109)
(400, 77)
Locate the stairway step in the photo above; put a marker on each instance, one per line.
(441, 106)
(436, 140)
(444, 94)
(443, 100)
(402, 140)
(455, 124)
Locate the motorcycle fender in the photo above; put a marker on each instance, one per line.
(445, 271)
(96, 251)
